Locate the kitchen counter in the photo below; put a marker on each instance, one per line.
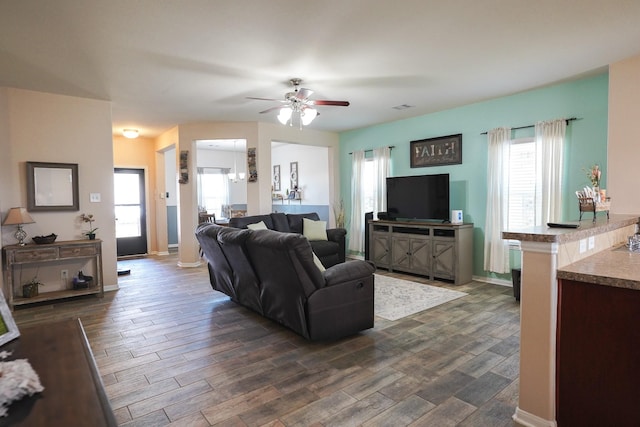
(617, 267)
(580, 259)
(544, 234)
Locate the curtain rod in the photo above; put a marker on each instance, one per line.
(391, 147)
(530, 126)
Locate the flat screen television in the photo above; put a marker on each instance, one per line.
(420, 197)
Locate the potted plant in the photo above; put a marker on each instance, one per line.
(91, 233)
(30, 289)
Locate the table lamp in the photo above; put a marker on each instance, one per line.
(18, 216)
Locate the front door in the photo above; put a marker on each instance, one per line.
(131, 215)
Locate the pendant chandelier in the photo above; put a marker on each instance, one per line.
(235, 175)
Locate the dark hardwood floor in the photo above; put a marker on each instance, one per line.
(173, 352)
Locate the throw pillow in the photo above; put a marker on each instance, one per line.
(318, 263)
(257, 226)
(314, 230)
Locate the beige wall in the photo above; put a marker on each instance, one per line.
(140, 153)
(624, 136)
(43, 127)
(259, 136)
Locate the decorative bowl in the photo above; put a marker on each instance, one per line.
(42, 240)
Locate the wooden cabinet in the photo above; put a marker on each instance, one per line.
(439, 251)
(381, 248)
(73, 393)
(411, 253)
(73, 252)
(597, 355)
(444, 258)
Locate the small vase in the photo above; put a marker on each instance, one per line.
(91, 236)
(29, 291)
(596, 192)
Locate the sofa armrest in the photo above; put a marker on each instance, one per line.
(338, 235)
(346, 305)
(348, 271)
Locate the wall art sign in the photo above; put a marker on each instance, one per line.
(184, 167)
(444, 150)
(251, 165)
(293, 168)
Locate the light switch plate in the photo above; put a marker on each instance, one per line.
(583, 245)
(94, 197)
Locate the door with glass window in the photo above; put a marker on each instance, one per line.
(131, 216)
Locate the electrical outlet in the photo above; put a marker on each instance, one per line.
(64, 275)
(592, 242)
(583, 245)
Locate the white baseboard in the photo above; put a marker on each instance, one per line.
(189, 264)
(109, 288)
(526, 419)
(493, 281)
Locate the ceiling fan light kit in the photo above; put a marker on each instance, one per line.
(298, 104)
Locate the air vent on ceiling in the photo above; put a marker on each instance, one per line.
(403, 107)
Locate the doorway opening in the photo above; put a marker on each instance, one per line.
(130, 210)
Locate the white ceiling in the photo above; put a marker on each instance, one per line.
(164, 62)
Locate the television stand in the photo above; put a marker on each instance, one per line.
(438, 251)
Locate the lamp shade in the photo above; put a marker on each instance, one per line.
(18, 216)
(284, 115)
(307, 115)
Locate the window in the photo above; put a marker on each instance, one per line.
(213, 190)
(524, 186)
(524, 201)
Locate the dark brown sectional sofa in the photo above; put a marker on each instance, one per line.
(273, 273)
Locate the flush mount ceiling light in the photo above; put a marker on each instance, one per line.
(297, 105)
(130, 133)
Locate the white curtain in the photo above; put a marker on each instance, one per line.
(356, 227)
(496, 250)
(382, 159)
(550, 144)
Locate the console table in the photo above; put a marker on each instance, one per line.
(439, 251)
(73, 391)
(72, 250)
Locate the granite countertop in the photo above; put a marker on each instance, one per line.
(587, 228)
(617, 267)
(611, 267)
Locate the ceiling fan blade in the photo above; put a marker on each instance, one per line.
(268, 110)
(266, 99)
(303, 93)
(327, 102)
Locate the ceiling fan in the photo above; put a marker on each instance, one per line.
(298, 102)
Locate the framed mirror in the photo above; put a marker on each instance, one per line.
(52, 186)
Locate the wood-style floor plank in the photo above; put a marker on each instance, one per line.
(172, 352)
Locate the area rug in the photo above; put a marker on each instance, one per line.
(397, 298)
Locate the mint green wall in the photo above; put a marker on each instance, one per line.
(585, 99)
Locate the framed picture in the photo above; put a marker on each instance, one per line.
(444, 150)
(252, 165)
(184, 167)
(52, 186)
(276, 178)
(293, 168)
(8, 328)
